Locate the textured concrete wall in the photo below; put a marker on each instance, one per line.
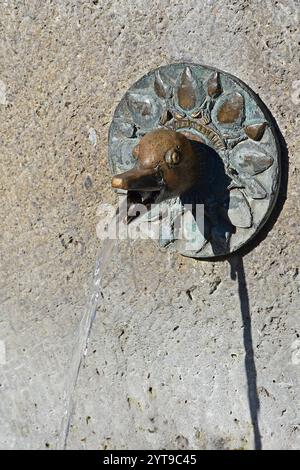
(182, 354)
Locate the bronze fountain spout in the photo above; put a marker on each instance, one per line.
(211, 156)
(167, 166)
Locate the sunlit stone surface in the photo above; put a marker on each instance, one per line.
(166, 365)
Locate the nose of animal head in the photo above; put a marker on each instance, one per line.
(165, 164)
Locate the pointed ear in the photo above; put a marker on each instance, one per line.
(136, 151)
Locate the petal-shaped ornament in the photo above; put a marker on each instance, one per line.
(145, 110)
(255, 131)
(186, 92)
(231, 110)
(250, 159)
(139, 104)
(214, 88)
(239, 211)
(253, 188)
(162, 89)
(189, 93)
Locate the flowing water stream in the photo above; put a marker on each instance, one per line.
(83, 332)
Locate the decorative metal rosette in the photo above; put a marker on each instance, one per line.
(222, 114)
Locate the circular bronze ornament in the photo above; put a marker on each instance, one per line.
(231, 131)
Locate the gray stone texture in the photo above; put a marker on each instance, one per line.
(173, 360)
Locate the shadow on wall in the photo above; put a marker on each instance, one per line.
(213, 192)
(238, 272)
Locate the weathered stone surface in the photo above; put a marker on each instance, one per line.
(163, 369)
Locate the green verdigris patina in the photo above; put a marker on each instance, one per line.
(229, 131)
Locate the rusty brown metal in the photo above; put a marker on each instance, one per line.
(231, 109)
(187, 90)
(137, 179)
(214, 88)
(255, 131)
(165, 160)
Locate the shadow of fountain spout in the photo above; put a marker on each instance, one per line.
(238, 272)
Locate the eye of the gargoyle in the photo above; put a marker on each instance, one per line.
(173, 157)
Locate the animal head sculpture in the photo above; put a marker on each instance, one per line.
(166, 167)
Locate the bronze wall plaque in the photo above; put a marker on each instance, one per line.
(191, 134)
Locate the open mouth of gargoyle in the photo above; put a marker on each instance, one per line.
(144, 187)
(140, 202)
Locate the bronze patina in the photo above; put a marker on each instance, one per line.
(166, 163)
(188, 134)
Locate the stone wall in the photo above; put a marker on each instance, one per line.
(183, 353)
